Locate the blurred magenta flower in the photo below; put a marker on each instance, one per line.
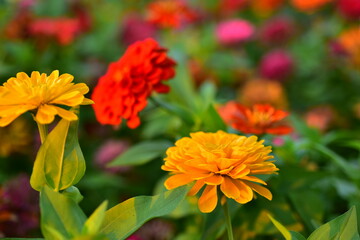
(349, 8)
(276, 65)
(108, 152)
(234, 31)
(155, 229)
(136, 29)
(277, 31)
(19, 212)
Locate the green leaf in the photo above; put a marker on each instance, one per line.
(212, 121)
(94, 222)
(281, 228)
(59, 162)
(296, 236)
(342, 227)
(126, 217)
(60, 213)
(74, 193)
(339, 161)
(141, 153)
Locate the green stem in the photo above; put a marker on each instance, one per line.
(228, 221)
(43, 130)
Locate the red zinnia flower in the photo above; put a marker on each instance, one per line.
(349, 8)
(123, 91)
(260, 119)
(170, 13)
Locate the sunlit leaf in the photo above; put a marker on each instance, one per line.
(125, 218)
(281, 228)
(59, 162)
(342, 227)
(94, 222)
(60, 213)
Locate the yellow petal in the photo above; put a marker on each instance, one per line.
(230, 189)
(87, 101)
(4, 121)
(45, 114)
(196, 188)
(260, 190)
(208, 200)
(66, 114)
(177, 180)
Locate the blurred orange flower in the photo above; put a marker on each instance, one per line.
(219, 159)
(350, 41)
(309, 5)
(170, 13)
(320, 117)
(123, 91)
(263, 91)
(260, 119)
(265, 7)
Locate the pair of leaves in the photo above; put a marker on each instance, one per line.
(62, 218)
(342, 227)
(59, 162)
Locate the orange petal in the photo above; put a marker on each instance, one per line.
(45, 114)
(246, 193)
(197, 186)
(66, 114)
(177, 180)
(260, 190)
(214, 180)
(208, 200)
(230, 189)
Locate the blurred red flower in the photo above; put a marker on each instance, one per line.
(136, 29)
(63, 29)
(260, 119)
(123, 91)
(277, 31)
(170, 13)
(349, 8)
(266, 7)
(309, 5)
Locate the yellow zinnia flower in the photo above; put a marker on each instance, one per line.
(39, 91)
(220, 158)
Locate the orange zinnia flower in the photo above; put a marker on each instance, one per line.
(219, 159)
(350, 41)
(123, 91)
(260, 119)
(308, 5)
(169, 13)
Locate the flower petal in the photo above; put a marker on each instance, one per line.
(208, 200)
(230, 189)
(196, 188)
(4, 121)
(260, 190)
(177, 180)
(66, 114)
(45, 114)
(246, 193)
(214, 180)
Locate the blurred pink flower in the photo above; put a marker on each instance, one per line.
(108, 152)
(136, 29)
(276, 65)
(277, 31)
(349, 8)
(234, 31)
